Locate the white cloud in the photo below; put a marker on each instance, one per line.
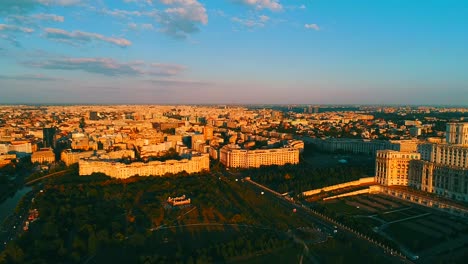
(182, 17)
(59, 2)
(49, 17)
(252, 22)
(177, 18)
(75, 37)
(123, 13)
(28, 77)
(273, 5)
(109, 67)
(32, 20)
(138, 27)
(142, 2)
(13, 28)
(312, 26)
(264, 18)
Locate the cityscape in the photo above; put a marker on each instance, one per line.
(233, 131)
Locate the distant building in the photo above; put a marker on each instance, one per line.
(69, 157)
(415, 131)
(43, 156)
(93, 115)
(363, 146)
(20, 147)
(234, 156)
(197, 163)
(6, 159)
(197, 139)
(208, 132)
(48, 137)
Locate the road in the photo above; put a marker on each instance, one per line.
(47, 176)
(12, 227)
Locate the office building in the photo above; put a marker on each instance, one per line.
(48, 137)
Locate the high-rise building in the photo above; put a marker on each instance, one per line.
(457, 133)
(48, 137)
(208, 132)
(93, 115)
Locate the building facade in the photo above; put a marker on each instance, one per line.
(69, 157)
(442, 168)
(234, 156)
(457, 133)
(48, 137)
(197, 163)
(364, 146)
(445, 180)
(43, 156)
(445, 154)
(392, 167)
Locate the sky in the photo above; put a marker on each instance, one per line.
(234, 52)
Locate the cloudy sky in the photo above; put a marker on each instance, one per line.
(234, 51)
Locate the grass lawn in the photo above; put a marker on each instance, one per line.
(340, 207)
(286, 255)
(411, 238)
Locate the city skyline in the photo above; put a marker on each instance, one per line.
(233, 52)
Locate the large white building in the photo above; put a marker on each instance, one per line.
(392, 166)
(442, 169)
(457, 133)
(234, 156)
(364, 146)
(197, 163)
(445, 154)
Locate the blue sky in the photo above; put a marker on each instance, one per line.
(234, 51)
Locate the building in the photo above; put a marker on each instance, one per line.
(48, 137)
(178, 201)
(6, 159)
(208, 132)
(415, 131)
(363, 146)
(457, 133)
(445, 180)
(392, 166)
(69, 157)
(197, 138)
(197, 163)
(43, 156)
(93, 115)
(442, 168)
(445, 154)
(234, 156)
(20, 147)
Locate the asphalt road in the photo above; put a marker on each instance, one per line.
(12, 227)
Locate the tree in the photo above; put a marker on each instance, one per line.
(82, 123)
(14, 253)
